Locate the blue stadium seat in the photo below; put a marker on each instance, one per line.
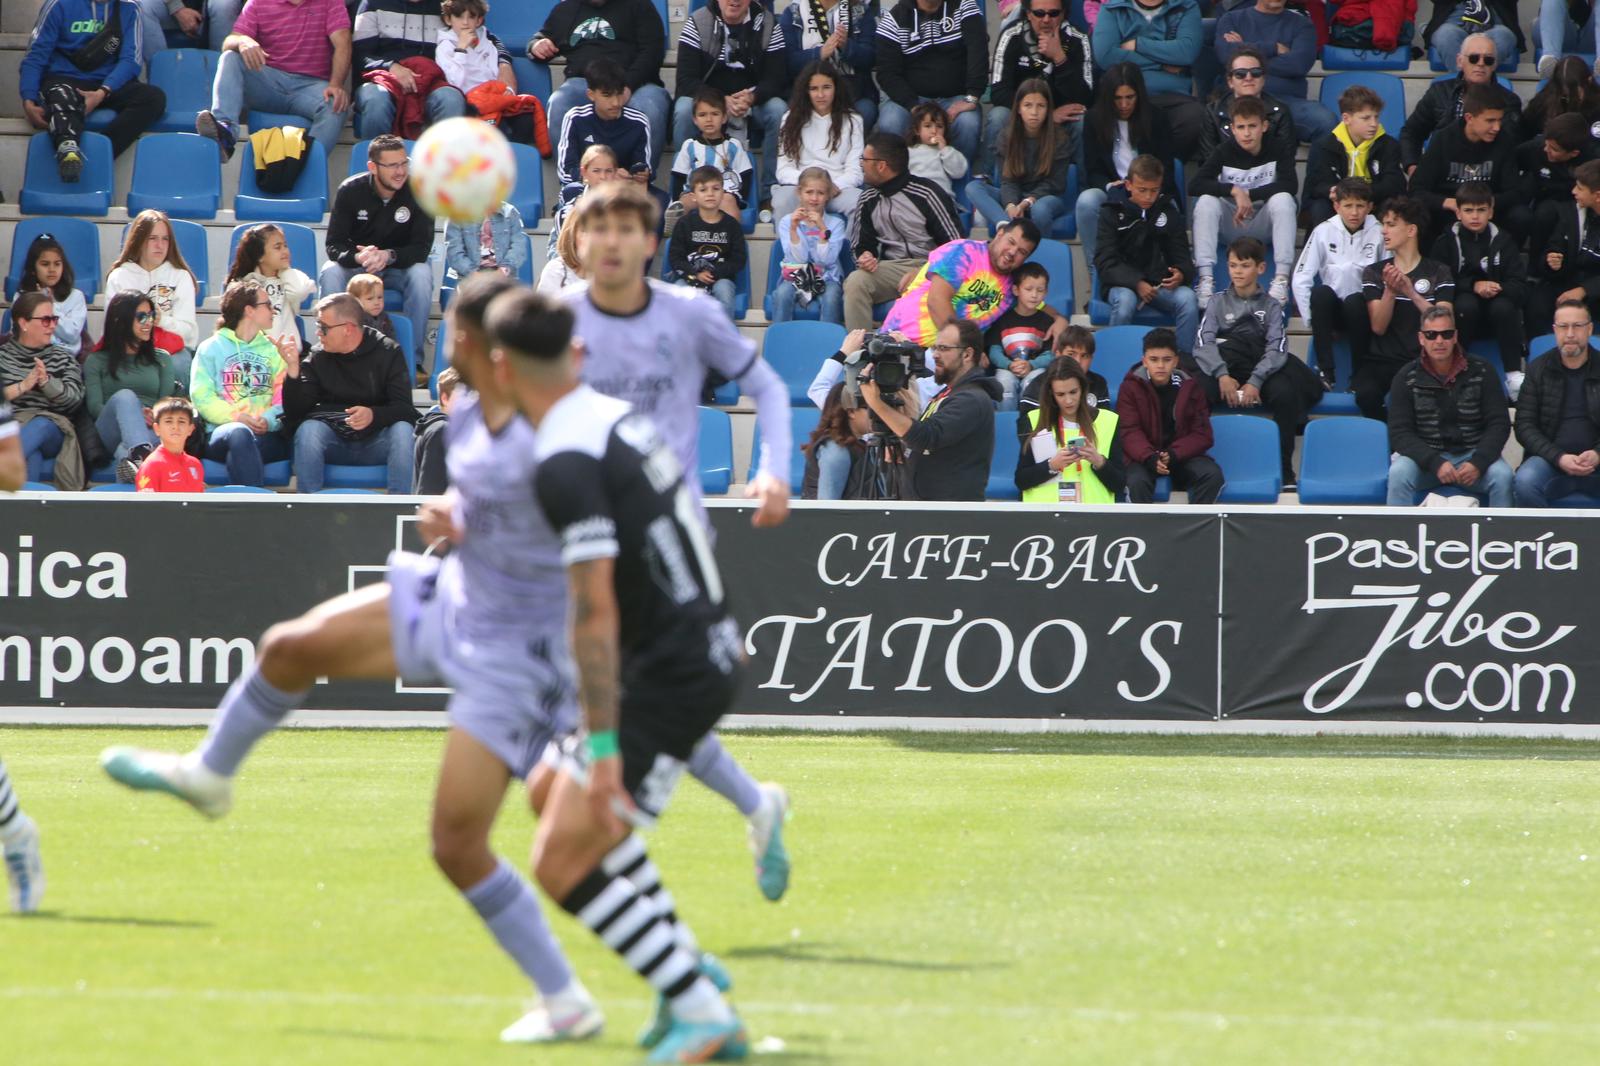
(185, 75)
(1003, 463)
(306, 201)
(1246, 447)
(533, 79)
(403, 337)
(101, 475)
(802, 420)
(1056, 257)
(516, 23)
(725, 395)
(1536, 347)
(265, 120)
(114, 487)
(43, 191)
(1336, 58)
(1117, 350)
(1391, 88)
(716, 452)
(527, 195)
(179, 173)
(38, 486)
(341, 477)
(1066, 226)
(1508, 63)
(240, 489)
(358, 156)
(813, 311)
(1344, 461)
(79, 238)
(1340, 400)
(303, 251)
(349, 490)
(441, 357)
(1489, 351)
(277, 473)
(796, 349)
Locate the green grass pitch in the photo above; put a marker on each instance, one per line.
(982, 899)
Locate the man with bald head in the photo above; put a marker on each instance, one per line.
(1440, 106)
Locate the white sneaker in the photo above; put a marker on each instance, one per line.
(1547, 66)
(1514, 380)
(572, 1017)
(184, 776)
(1204, 288)
(766, 842)
(23, 868)
(1279, 290)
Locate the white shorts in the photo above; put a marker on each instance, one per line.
(513, 695)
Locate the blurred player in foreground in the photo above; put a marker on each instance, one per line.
(19, 837)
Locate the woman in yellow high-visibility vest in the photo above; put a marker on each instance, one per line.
(1070, 450)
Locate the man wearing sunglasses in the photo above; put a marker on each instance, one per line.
(1448, 421)
(1246, 74)
(1440, 106)
(1288, 41)
(1042, 45)
(1453, 24)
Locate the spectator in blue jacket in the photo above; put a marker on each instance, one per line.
(386, 32)
(1163, 39)
(1289, 41)
(60, 87)
(846, 41)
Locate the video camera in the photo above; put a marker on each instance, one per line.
(890, 362)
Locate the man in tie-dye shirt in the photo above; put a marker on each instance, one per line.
(968, 280)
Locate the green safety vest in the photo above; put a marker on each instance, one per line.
(1090, 488)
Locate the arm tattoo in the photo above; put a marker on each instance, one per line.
(595, 647)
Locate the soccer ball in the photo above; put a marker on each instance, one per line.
(461, 169)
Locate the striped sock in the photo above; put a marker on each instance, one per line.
(250, 709)
(9, 807)
(629, 860)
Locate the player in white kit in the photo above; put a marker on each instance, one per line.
(19, 837)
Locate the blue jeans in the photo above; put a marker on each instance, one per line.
(121, 424)
(1177, 303)
(244, 452)
(416, 288)
(1406, 479)
(1311, 119)
(41, 440)
(1447, 41)
(1556, 34)
(1538, 482)
(833, 469)
(769, 116)
(182, 364)
(965, 132)
(1011, 386)
(316, 444)
(238, 88)
(725, 292)
(651, 99)
(830, 305)
(157, 20)
(375, 109)
(986, 201)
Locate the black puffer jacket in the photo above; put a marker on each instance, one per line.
(1428, 418)
(1439, 107)
(1539, 403)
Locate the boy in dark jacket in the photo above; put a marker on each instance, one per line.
(1164, 425)
(1359, 147)
(430, 476)
(708, 248)
(1545, 167)
(1245, 190)
(1482, 148)
(1568, 266)
(1142, 253)
(1491, 278)
(1246, 77)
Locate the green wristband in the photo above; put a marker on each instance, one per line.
(603, 745)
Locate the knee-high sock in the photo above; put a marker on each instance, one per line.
(250, 710)
(507, 905)
(630, 860)
(10, 809)
(711, 764)
(630, 925)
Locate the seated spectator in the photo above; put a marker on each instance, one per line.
(951, 443)
(1042, 45)
(1142, 253)
(368, 290)
(1546, 168)
(497, 243)
(1359, 147)
(151, 263)
(377, 227)
(1558, 414)
(1491, 276)
(1163, 39)
(821, 130)
(597, 166)
(708, 247)
(1569, 267)
(263, 257)
(1440, 106)
(1448, 421)
(238, 385)
(898, 222)
(286, 56)
(1164, 426)
(206, 22)
(730, 47)
(1398, 291)
(564, 269)
(932, 155)
(1479, 148)
(430, 476)
(1327, 279)
(476, 63)
(45, 268)
(1071, 452)
(44, 386)
(125, 376)
(170, 468)
(394, 40)
(712, 148)
(74, 66)
(1121, 125)
(1244, 190)
(349, 400)
(1454, 22)
(629, 33)
(1018, 343)
(934, 51)
(1031, 161)
(606, 119)
(810, 241)
(1243, 354)
(1571, 88)
(1371, 25)
(1288, 41)
(841, 32)
(1077, 342)
(1246, 76)
(1558, 33)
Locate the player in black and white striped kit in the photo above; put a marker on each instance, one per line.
(19, 837)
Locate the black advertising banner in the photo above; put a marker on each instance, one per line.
(1415, 615)
(976, 612)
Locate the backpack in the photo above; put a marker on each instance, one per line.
(280, 155)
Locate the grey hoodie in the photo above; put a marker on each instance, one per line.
(1242, 337)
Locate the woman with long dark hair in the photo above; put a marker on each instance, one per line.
(125, 376)
(834, 449)
(1121, 125)
(822, 129)
(46, 268)
(1571, 88)
(1070, 450)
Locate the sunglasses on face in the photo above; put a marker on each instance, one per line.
(48, 320)
(1483, 59)
(1038, 14)
(142, 317)
(1247, 72)
(1439, 334)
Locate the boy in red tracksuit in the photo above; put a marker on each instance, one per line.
(169, 468)
(1164, 425)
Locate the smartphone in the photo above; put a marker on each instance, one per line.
(1076, 443)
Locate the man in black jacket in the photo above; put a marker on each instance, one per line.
(934, 51)
(350, 400)
(627, 32)
(1558, 415)
(899, 219)
(1042, 44)
(1491, 278)
(1440, 106)
(1478, 148)
(376, 227)
(1447, 420)
(1546, 168)
(735, 46)
(1567, 266)
(952, 443)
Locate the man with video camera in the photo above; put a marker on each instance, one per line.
(952, 442)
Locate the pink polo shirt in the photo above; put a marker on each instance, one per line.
(296, 37)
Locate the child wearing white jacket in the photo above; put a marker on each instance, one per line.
(822, 130)
(928, 144)
(151, 263)
(465, 53)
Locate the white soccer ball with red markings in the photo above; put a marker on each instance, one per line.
(461, 170)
